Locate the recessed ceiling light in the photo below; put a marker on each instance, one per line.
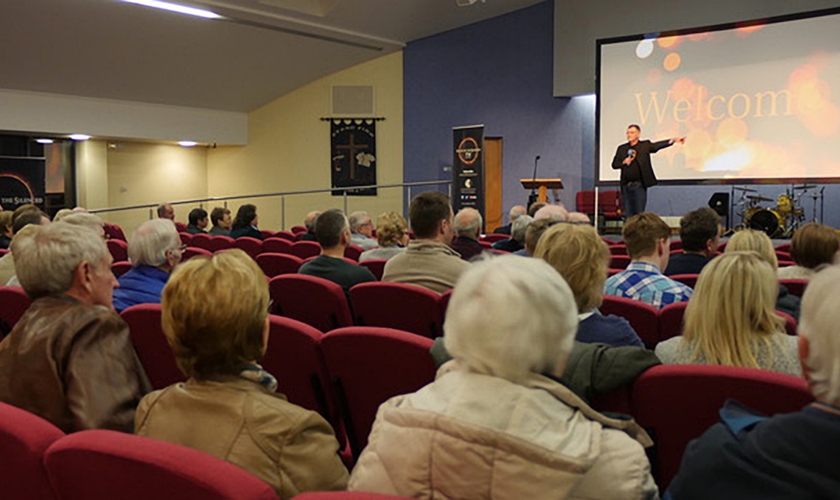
(187, 144)
(44, 141)
(80, 137)
(173, 7)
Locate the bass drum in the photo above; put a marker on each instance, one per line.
(770, 222)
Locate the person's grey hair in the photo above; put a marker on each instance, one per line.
(46, 257)
(510, 317)
(818, 322)
(310, 219)
(64, 212)
(578, 218)
(552, 212)
(358, 219)
(520, 227)
(90, 221)
(468, 222)
(150, 242)
(516, 211)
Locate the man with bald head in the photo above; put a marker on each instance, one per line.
(309, 222)
(515, 212)
(467, 228)
(166, 211)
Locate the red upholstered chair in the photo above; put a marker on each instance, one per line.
(493, 238)
(790, 322)
(120, 268)
(642, 317)
(444, 303)
(783, 255)
(676, 245)
(486, 244)
(13, 304)
(679, 402)
(786, 263)
(344, 495)
(353, 252)
(619, 262)
(376, 266)
(180, 227)
(404, 307)
(150, 343)
(686, 279)
(251, 246)
(315, 301)
(99, 465)
(24, 438)
(277, 245)
(671, 320)
(202, 240)
(784, 247)
(275, 264)
(219, 243)
(3, 251)
(186, 238)
(306, 249)
(266, 233)
(298, 229)
(286, 235)
(370, 365)
(118, 249)
(617, 249)
(795, 287)
(113, 231)
(191, 252)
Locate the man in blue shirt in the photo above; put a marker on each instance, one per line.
(648, 242)
(154, 250)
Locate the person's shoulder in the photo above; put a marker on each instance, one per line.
(667, 349)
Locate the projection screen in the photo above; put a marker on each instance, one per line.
(759, 102)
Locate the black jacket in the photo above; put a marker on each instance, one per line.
(643, 151)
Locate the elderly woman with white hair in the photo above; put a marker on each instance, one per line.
(794, 455)
(154, 250)
(491, 425)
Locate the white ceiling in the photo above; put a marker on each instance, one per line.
(115, 50)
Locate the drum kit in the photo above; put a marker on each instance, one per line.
(781, 220)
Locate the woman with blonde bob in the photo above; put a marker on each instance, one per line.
(750, 240)
(731, 319)
(490, 425)
(228, 407)
(581, 257)
(392, 236)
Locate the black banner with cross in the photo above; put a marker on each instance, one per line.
(468, 169)
(353, 156)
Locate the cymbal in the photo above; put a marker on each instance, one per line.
(759, 198)
(804, 186)
(746, 190)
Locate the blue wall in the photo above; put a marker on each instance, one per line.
(499, 73)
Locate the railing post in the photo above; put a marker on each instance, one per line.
(150, 213)
(345, 202)
(282, 213)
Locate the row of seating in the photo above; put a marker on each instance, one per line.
(39, 462)
(658, 325)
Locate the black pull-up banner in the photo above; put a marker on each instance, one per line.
(468, 168)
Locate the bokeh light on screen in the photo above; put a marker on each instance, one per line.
(735, 159)
(672, 61)
(654, 75)
(644, 49)
(668, 42)
(812, 96)
(732, 131)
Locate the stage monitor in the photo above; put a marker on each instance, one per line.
(757, 102)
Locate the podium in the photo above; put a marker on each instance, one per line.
(543, 185)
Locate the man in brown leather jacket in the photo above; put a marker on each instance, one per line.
(69, 359)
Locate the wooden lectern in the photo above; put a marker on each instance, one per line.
(543, 185)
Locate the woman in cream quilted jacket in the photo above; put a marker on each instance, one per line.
(492, 427)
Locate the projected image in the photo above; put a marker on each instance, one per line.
(756, 102)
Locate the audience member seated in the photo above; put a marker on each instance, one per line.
(813, 245)
(508, 430)
(534, 208)
(246, 223)
(516, 242)
(731, 320)
(582, 258)
(578, 218)
(24, 216)
(5, 229)
(69, 359)
(700, 235)
(154, 250)
(361, 229)
(392, 236)
(220, 217)
(533, 233)
(757, 241)
(428, 261)
(228, 407)
(198, 221)
(166, 211)
(64, 212)
(333, 232)
(552, 212)
(467, 229)
(648, 243)
(516, 211)
(309, 222)
(794, 455)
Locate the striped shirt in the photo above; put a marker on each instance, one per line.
(644, 282)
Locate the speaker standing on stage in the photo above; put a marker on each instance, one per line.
(633, 158)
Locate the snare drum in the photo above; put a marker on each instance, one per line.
(768, 221)
(784, 204)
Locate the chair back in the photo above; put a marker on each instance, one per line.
(298, 229)
(146, 331)
(784, 247)
(795, 287)
(444, 303)
(676, 245)
(617, 249)
(275, 264)
(118, 249)
(186, 238)
(619, 261)
(306, 249)
(353, 252)
(251, 246)
(24, 438)
(680, 402)
(219, 243)
(790, 322)
(120, 268)
(400, 306)
(375, 266)
(180, 227)
(13, 304)
(494, 237)
(642, 317)
(113, 231)
(671, 320)
(277, 245)
(317, 302)
(202, 240)
(266, 233)
(686, 279)
(286, 235)
(368, 366)
(99, 465)
(191, 252)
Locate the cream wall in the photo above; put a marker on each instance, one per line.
(289, 148)
(92, 174)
